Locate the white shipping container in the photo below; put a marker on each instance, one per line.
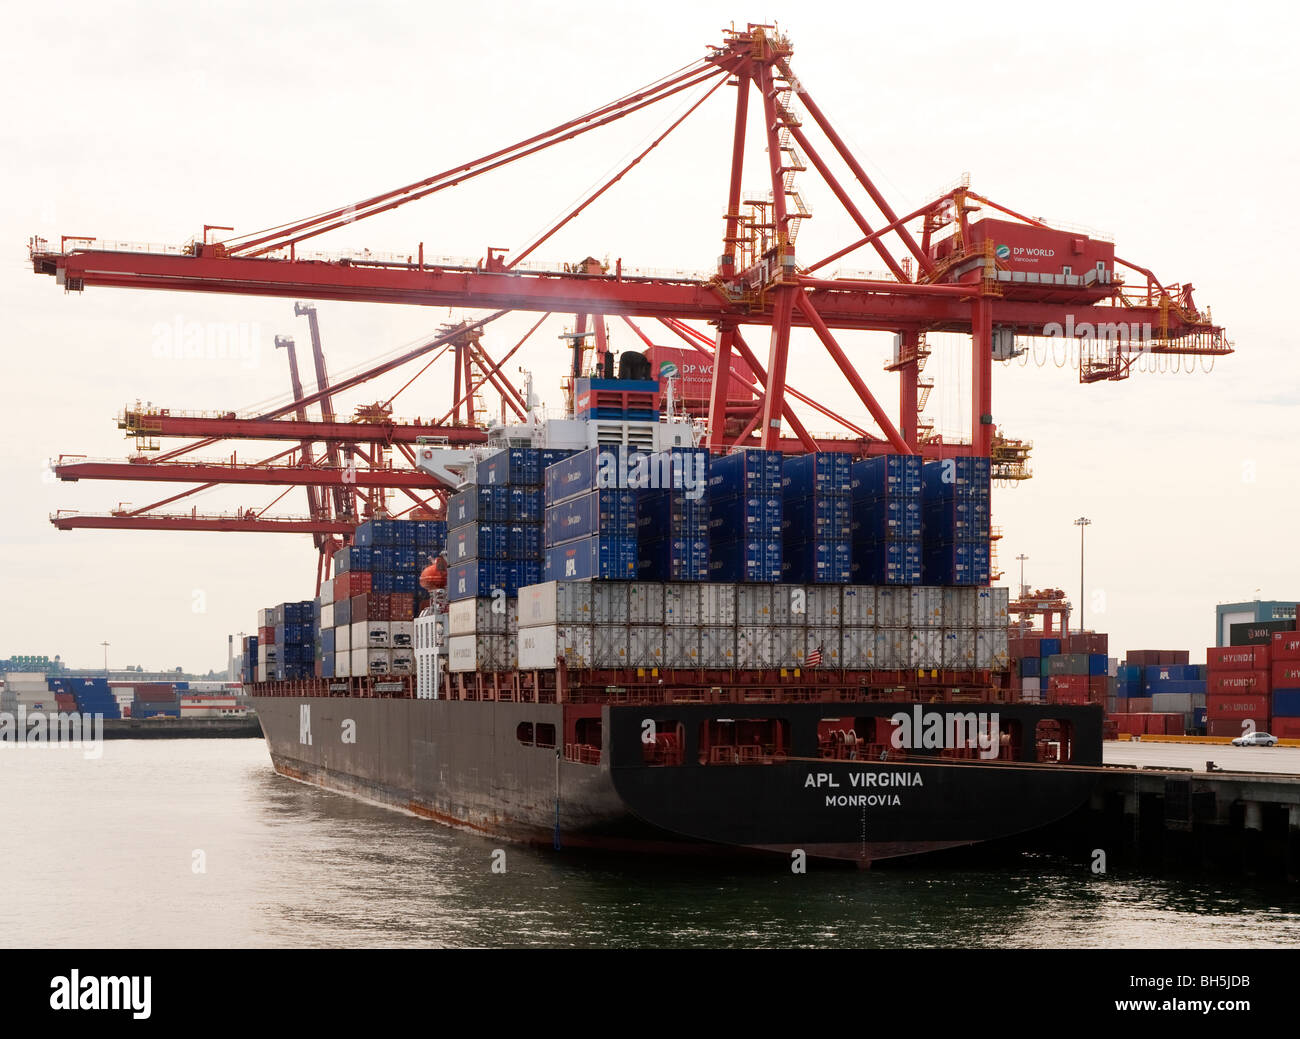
(893, 648)
(1172, 703)
(264, 617)
(718, 604)
(925, 648)
(327, 593)
(682, 645)
(369, 634)
(753, 606)
(959, 648)
(717, 645)
(754, 644)
(825, 605)
(858, 606)
(645, 603)
(893, 607)
(645, 645)
(991, 649)
(481, 616)
(829, 641)
(926, 610)
(789, 604)
(327, 615)
(343, 664)
(959, 608)
(512, 616)
(1031, 690)
(540, 646)
(403, 662)
(480, 653)
(342, 639)
(608, 642)
(401, 634)
(555, 603)
(858, 647)
(609, 604)
(991, 606)
(682, 603)
(378, 661)
(788, 645)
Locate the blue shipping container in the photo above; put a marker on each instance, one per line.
(526, 505)
(515, 466)
(820, 473)
(817, 518)
(750, 473)
(525, 541)
(598, 558)
(739, 518)
(673, 559)
(608, 512)
(886, 519)
(816, 562)
(886, 562)
(478, 541)
(470, 580)
(597, 468)
(886, 476)
(755, 562)
(478, 505)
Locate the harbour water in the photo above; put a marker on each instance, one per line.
(198, 843)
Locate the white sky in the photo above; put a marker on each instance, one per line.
(1170, 129)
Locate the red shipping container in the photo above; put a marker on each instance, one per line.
(1221, 682)
(265, 636)
(1178, 657)
(1286, 645)
(1141, 657)
(1237, 658)
(1230, 727)
(401, 606)
(1174, 724)
(1241, 705)
(1286, 728)
(1139, 704)
(1286, 674)
(350, 584)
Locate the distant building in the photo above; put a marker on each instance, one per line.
(1228, 614)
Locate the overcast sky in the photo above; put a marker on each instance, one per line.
(1172, 130)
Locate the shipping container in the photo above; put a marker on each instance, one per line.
(1231, 682)
(823, 605)
(645, 646)
(610, 603)
(745, 517)
(925, 608)
(747, 473)
(595, 558)
(925, 648)
(1239, 705)
(893, 607)
(754, 604)
(683, 604)
(682, 646)
(645, 602)
(745, 561)
(597, 468)
(717, 646)
(482, 616)
(816, 562)
(467, 653)
(858, 605)
(886, 519)
(817, 518)
(893, 647)
(886, 476)
(858, 648)
(540, 646)
(609, 645)
(790, 604)
(887, 562)
(718, 603)
(1284, 645)
(513, 466)
(1257, 633)
(754, 646)
(478, 579)
(673, 559)
(555, 603)
(610, 512)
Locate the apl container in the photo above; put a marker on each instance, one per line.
(858, 648)
(858, 603)
(609, 645)
(717, 646)
(745, 517)
(645, 646)
(475, 504)
(683, 604)
(681, 645)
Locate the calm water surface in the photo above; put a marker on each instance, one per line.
(103, 852)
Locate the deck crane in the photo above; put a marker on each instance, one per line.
(961, 263)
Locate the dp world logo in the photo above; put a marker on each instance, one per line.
(1002, 252)
(667, 370)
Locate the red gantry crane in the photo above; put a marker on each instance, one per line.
(961, 263)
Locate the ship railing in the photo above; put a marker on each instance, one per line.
(582, 753)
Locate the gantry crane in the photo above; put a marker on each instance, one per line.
(950, 270)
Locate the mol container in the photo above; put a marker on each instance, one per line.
(610, 512)
(594, 558)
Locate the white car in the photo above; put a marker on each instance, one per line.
(1255, 739)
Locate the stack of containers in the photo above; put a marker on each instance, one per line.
(94, 696)
(248, 661)
(30, 690)
(590, 529)
(1284, 653)
(1237, 689)
(294, 641)
(507, 534)
(477, 517)
(673, 519)
(555, 622)
(816, 520)
(886, 520)
(894, 627)
(1176, 689)
(956, 494)
(859, 647)
(482, 634)
(745, 517)
(973, 625)
(156, 700)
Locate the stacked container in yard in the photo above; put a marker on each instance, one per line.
(816, 518)
(93, 696)
(1238, 688)
(673, 519)
(885, 523)
(745, 513)
(590, 529)
(156, 700)
(1284, 656)
(30, 690)
(955, 508)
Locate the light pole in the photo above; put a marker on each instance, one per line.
(1022, 557)
(1081, 523)
(105, 645)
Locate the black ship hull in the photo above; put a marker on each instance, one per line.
(512, 771)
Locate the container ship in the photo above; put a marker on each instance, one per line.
(615, 640)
